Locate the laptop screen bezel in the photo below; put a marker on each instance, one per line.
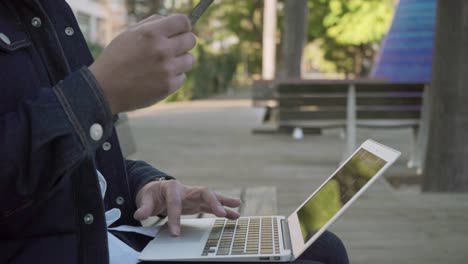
(297, 241)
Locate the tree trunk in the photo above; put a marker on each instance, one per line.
(446, 166)
(294, 37)
(269, 40)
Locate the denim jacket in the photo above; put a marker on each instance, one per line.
(54, 121)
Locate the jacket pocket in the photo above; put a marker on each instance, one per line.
(12, 38)
(10, 42)
(12, 35)
(19, 78)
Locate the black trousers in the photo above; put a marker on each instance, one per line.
(327, 249)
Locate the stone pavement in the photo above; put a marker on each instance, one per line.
(210, 143)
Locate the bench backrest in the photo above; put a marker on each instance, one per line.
(328, 100)
(312, 102)
(389, 101)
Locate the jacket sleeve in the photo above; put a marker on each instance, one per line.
(49, 135)
(140, 173)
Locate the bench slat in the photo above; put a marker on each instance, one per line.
(288, 114)
(388, 101)
(327, 103)
(319, 101)
(390, 87)
(294, 89)
(388, 123)
(383, 114)
(336, 88)
(311, 124)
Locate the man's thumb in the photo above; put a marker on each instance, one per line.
(146, 207)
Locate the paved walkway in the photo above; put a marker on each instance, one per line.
(210, 143)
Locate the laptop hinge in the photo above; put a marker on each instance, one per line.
(286, 236)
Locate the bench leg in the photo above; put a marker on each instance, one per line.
(414, 157)
(423, 132)
(350, 123)
(267, 116)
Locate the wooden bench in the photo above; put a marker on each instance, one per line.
(347, 104)
(256, 201)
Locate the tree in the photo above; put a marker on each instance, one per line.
(269, 39)
(294, 37)
(446, 166)
(350, 31)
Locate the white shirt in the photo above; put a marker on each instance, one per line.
(119, 252)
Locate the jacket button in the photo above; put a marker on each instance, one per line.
(5, 38)
(120, 200)
(36, 22)
(96, 132)
(69, 31)
(106, 146)
(88, 219)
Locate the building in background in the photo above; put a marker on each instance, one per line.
(100, 20)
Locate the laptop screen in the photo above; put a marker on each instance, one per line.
(337, 192)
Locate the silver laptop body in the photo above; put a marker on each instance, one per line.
(274, 238)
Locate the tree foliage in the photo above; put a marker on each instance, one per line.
(350, 31)
(358, 22)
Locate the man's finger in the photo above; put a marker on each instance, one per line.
(209, 198)
(171, 26)
(183, 43)
(149, 19)
(230, 214)
(228, 201)
(184, 63)
(177, 83)
(174, 207)
(146, 207)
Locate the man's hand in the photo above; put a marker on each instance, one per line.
(145, 63)
(174, 199)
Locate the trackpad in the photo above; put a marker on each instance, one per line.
(190, 243)
(190, 233)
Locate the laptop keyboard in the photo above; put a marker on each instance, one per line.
(245, 236)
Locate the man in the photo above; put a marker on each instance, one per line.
(57, 139)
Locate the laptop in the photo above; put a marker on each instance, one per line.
(274, 238)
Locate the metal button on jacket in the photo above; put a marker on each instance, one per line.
(120, 200)
(69, 31)
(5, 38)
(88, 219)
(106, 146)
(96, 131)
(36, 22)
